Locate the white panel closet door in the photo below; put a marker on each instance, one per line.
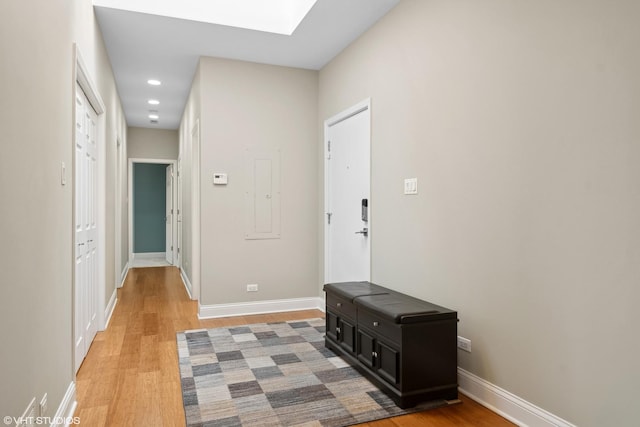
(85, 227)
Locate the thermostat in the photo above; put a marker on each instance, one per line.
(220, 179)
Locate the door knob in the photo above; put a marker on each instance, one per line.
(364, 231)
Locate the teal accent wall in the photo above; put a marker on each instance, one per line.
(149, 204)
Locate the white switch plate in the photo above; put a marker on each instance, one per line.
(411, 186)
(252, 288)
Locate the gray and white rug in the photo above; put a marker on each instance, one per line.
(275, 374)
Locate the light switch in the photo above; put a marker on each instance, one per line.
(411, 186)
(220, 179)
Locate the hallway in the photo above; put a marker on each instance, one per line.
(130, 376)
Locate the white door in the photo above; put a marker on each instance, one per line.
(169, 215)
(347, 220)
(86, 227)
(178, 216)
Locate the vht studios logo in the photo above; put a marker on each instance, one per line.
(41, 420)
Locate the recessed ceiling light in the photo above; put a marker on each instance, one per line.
(154, 82)
(153, 102)
(153, 116)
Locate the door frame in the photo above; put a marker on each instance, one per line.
(173, 195)
(174, 222)
(119, 269)
(358, 108)
(82, 77)
(195, 138)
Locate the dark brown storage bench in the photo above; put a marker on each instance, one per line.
(406, 346)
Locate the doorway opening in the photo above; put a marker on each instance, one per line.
(153, 226)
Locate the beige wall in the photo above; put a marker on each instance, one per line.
(520, 120)
(144, 143)
(260, 106)
(36, 119)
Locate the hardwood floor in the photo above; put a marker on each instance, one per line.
(130, 376)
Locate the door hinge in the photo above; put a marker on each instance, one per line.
(171, 211)
(329, 214)
(329, 146)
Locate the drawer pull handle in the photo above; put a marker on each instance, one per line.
(375, 323)
(338, 330)
(374, 354)
(339, 304)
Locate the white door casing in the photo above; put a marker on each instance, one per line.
(178, 231)
(168, 219)
(130, 197)
(195, 211)
(347, 188)
(85, 227)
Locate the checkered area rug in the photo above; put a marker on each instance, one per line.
(275, 374)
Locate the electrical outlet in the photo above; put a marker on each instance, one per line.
(43, 405)
(252, 288)
(464, 344)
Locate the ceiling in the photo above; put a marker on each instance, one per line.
(144, 46)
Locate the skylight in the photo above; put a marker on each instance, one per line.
(273, 16)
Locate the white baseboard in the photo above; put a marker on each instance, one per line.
(64, 414)
(508, 405)
(123, 275)
(147, 255)
(260, 307)
(108, 312)
(186, 282)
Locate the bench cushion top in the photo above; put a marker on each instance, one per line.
(401, 308)
(351, 290)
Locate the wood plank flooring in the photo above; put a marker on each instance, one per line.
(130, 376)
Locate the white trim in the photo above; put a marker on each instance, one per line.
(64, 414)
(108, 312)
(123, 275)
(260, 307)
(344, 115)
(508, 405)
(186, 282)
(195, 210)
(130, 198)
(149, 255)
(118, 209)
(86, 83)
